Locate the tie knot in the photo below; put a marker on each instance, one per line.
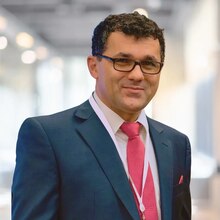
(131, 129)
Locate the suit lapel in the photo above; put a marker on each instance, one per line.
(164, 157)
(100, 142)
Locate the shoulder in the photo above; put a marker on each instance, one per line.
(56, 120)
(166, 130)
(162, 133)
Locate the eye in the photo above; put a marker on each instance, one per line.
(123, 61)
(149, 63)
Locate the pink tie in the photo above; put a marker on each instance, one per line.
(135, 160)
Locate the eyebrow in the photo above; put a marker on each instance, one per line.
(130, 56)
(152, 58)
(121, 54)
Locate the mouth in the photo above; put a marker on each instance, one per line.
(133, 89)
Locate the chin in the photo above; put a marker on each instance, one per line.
(135, 108)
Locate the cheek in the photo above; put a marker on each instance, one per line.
(104, 84)
(151, 87)
(153, 81)
(110, 81)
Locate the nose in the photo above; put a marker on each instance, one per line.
(136, 74)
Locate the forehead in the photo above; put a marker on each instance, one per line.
(118, 43)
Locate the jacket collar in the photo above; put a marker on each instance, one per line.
(164, 156)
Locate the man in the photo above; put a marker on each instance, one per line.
(78, 164)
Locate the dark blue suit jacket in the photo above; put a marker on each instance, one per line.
(68, 168)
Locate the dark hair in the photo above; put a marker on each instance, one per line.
(132, 24)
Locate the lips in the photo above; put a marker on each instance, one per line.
(135, 88)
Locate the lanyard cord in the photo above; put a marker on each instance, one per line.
(138, 196)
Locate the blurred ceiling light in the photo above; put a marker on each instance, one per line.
(3, 42)
(3, 23)
(42, 53)
(25, 40)
(28, 57)
(141, 11)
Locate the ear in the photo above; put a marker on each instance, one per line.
(92, 66)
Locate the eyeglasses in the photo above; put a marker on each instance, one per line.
(149, 67)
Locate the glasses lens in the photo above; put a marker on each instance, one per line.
(127, 65)
(123, 64)
(150, 66)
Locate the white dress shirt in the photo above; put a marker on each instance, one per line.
(112, 123)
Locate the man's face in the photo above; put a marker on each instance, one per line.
(126, 93)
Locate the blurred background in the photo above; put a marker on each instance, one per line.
(43, 50)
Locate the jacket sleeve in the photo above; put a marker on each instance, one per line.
(35, 180)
